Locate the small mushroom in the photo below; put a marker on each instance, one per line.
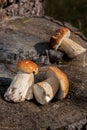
(60, 40)
(21, 86)
(56, 81)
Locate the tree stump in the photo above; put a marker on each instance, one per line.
(28, 38)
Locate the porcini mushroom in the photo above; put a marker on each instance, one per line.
(60, 40)
(21, 86)
(56, 81)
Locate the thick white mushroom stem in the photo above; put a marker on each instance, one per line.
(71, 48)
(45, 91)
(21, 84)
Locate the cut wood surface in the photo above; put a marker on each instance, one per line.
(28, 38)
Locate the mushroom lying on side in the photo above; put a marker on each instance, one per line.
(60, 40)
(21, 86)
(56, 81)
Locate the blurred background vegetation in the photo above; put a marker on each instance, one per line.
(73, 11)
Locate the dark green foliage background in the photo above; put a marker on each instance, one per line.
(73, 11)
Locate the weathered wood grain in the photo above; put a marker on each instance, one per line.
(29, 38)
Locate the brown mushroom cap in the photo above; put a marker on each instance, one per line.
(63, 81)
(56, 39)
(27, 66)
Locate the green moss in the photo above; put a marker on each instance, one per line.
(25, 20)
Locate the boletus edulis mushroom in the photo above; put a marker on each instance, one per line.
(56, 82)
(21, 86)
(60, 40)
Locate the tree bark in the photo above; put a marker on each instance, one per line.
(13, 8)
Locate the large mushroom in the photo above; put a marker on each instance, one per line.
(56, 82)
(21, 86)
(60, 40)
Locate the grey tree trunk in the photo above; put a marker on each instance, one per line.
(21, 8)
